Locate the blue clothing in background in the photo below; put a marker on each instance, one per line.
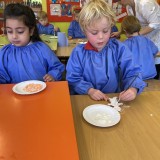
(114, 29)
(48, 29)
(143, 51)
(31, 62)
(110, 70)
(75, 31)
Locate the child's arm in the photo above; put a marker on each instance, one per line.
(128, 95)
(97, 95)
(129, 72)
(50, 29)
(115, 34)
(5, 77)
(53, 65)
(70, 31)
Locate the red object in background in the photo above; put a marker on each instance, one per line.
(66, 11)
(123, 11)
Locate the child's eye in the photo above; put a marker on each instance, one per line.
(8, 31)
(105, 31)
(94, 33)
(20, 32)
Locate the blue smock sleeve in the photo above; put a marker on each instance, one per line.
(50, 29)
(4, 75)
(75, 69)
(70, 30)
(129, 71)
(55, 67)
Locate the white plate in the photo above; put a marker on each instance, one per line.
(82, 42)
(101, 115)
(52, 37)
(19, 88)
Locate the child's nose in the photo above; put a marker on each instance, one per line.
(14, 35)
(100, 35)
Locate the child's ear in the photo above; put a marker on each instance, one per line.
(31, 31)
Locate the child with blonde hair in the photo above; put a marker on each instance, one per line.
(43, 25)
(102, 65)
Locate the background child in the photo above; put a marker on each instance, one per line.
(98, 67)
(27, 57)
(74, 30)
(143, 49)
(43, 26)
(147, 12)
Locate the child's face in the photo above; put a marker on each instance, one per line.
(43, 21)
(98, 33)
(17, 32)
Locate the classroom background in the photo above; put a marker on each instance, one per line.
(63, 25)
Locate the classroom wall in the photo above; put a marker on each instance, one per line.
(64, 25)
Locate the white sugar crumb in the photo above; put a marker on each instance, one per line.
(101, 121)
(126, 106)
(103, 118)
(151, 114)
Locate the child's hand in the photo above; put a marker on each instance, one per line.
(97, 94)
(56, 29)
(115, 34)
(128, 95)
(69, 37)
(48, 78)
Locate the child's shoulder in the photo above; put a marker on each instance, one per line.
(79, 50)
(138, 39)
(50, 25)
(115, 42)
(74, 22)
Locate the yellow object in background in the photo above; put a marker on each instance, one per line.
(3, 40)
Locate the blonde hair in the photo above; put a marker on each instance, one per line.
(130, 25)
(41, 15)
(95, 10)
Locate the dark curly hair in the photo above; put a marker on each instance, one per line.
(24, 13)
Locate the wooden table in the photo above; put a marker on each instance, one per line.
(39, 126)
(50, 40)
(63, 53)
(152, 85)
(135, 137)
